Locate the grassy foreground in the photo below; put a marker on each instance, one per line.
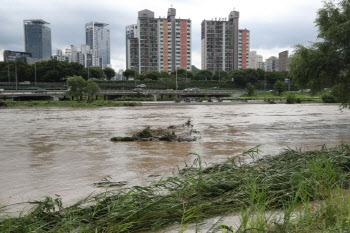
(290, 183)
(70, 104)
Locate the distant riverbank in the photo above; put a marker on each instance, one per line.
(69, 104)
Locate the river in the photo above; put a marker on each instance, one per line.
(48, 151)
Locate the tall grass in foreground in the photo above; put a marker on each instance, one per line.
(287, 183)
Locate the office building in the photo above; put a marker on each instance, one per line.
(254, 60)
(37, 38)
(219, 43)
(161, 44)
(15, 56)
(283, 61)
(98, 38)
(243, 49)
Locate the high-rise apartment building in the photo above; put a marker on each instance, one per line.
(271, 64)
(98, 38)
(220, 43)
(86, 56)
(161, 44)
(254, 60)
(283, 60)
(130, 33)
(243, 49)
(37, 38)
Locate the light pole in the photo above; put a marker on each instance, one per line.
(264, 81)
(176, 76)
(16, 74)
(8, 71)
(35, 72)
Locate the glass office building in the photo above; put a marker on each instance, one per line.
(98, 38)
(37, 38)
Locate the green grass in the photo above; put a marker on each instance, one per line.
(69, 104)
(304, 97)
(288, 183)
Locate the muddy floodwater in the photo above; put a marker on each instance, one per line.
(48, 151)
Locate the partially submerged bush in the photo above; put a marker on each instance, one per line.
(328, 98)
(291, 99)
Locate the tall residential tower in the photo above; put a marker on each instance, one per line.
(161, 44)
(37, 38)
(98, 38)
(220, 43)
(130, 33)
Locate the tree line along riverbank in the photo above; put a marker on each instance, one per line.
(134, 100)
(308, 189)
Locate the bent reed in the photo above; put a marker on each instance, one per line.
(285, 183)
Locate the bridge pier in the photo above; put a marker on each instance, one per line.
(154, 97)
(54, 98)
(105, 97)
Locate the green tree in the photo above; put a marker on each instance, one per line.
(220, 76)
(96, 72)
(129, 73)
(203, 75)
(154, 75)
(164, 74)
(280, 87)
(326, 63)
(91, 89)
(250, 89)
(76, 86)
(109, 72)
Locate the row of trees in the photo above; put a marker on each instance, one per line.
(50, 71)
(240, 77)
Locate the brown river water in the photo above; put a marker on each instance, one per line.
(48, 151)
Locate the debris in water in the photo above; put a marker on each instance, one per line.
(180, 133)
(106, 182)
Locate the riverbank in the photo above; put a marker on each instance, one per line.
(302, 96)
(288, 183)
(69, 104)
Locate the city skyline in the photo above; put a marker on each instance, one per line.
(278, 27)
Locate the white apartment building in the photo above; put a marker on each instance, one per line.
(254, 60)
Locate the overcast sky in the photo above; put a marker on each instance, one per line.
(275, 25)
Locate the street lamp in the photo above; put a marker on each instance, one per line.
(8, 71)
(35, 72)
(176, 76)
(16, 74)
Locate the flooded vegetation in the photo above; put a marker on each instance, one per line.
(284, 182)
(180, 133)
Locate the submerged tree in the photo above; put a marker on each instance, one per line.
(327, 63)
